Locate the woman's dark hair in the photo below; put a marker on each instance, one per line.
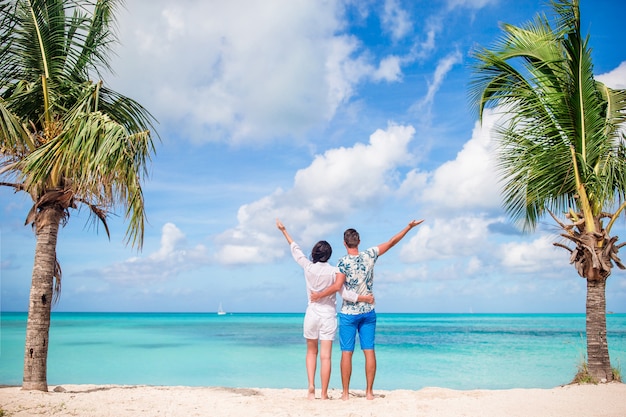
(321, 252)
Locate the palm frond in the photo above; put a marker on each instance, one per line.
(14, 139)
(66, 133)
(559, 149)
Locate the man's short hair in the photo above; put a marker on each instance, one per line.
(351, 238)
(321, 252)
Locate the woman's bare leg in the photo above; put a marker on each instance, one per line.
(325, 365)
(311, 364)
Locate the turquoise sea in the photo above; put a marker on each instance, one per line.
(459, 351)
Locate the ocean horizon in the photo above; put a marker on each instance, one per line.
(267, 350)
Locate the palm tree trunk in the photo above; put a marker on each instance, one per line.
(598, 361)
(41, 293)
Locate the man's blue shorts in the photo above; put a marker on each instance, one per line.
(350, 324)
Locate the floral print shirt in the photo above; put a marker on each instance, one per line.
(359, 272)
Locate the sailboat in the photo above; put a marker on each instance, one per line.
(220, 311)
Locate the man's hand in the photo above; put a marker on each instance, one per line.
(315, 296)
(414, 223)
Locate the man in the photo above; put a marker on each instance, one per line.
(358, 269)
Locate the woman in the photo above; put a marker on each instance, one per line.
(320, 320)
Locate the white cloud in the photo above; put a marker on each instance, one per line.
(395, 20)
(429, 44)
(615, 78)
(173, 257)
(468, 182)
(443, 67)
(444, 238)
(242, 71)
(171, 239)
(423, 49)
(474, 265)
(537, 256)
(389, 69)
(343, 73)
(336, 184)
(470, 4)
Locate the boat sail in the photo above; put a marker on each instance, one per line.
(220, 311)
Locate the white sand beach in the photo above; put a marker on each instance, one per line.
(605, 400)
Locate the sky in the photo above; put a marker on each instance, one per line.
(328, 115)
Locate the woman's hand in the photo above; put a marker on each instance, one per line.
(369, 298)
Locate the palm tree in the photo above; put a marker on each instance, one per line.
(561, 150)
(65, 140)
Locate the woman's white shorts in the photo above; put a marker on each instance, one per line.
(320, 325)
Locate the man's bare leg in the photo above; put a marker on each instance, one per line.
(325, 365)
(370, 372)
(346, 373)
(311, 364)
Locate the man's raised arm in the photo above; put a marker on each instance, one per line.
(384, 247)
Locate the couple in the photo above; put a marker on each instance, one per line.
(354, 277)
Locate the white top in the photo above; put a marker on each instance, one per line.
(319, 276)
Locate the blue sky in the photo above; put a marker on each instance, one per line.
(329, 115)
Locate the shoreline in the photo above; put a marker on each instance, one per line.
(602, 400)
